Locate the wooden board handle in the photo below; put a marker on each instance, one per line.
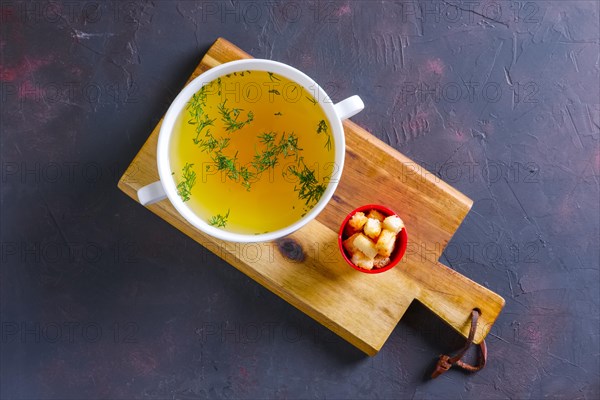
(453, 296)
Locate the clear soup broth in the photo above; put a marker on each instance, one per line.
(252, 152)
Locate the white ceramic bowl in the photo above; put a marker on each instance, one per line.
(166, 187)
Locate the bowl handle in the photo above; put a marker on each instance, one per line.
(151, 193)
(349, 107)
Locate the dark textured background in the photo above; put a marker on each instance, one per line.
(102, 299)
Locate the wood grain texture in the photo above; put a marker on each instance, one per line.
(361, 308)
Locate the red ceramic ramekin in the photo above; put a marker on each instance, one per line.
(399, 249)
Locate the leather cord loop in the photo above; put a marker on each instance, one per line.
(446, 362)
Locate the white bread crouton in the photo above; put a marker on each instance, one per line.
(393, 223)
(376, 215)
(372, 228)
(349, 244)
(365, 245)
(357, 221)
(385, 243)
(380, 261)
(362, 261)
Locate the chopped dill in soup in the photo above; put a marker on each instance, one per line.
(252, 152)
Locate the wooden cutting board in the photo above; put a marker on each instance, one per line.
(306, 268)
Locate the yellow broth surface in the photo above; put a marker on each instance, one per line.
(252, 152)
